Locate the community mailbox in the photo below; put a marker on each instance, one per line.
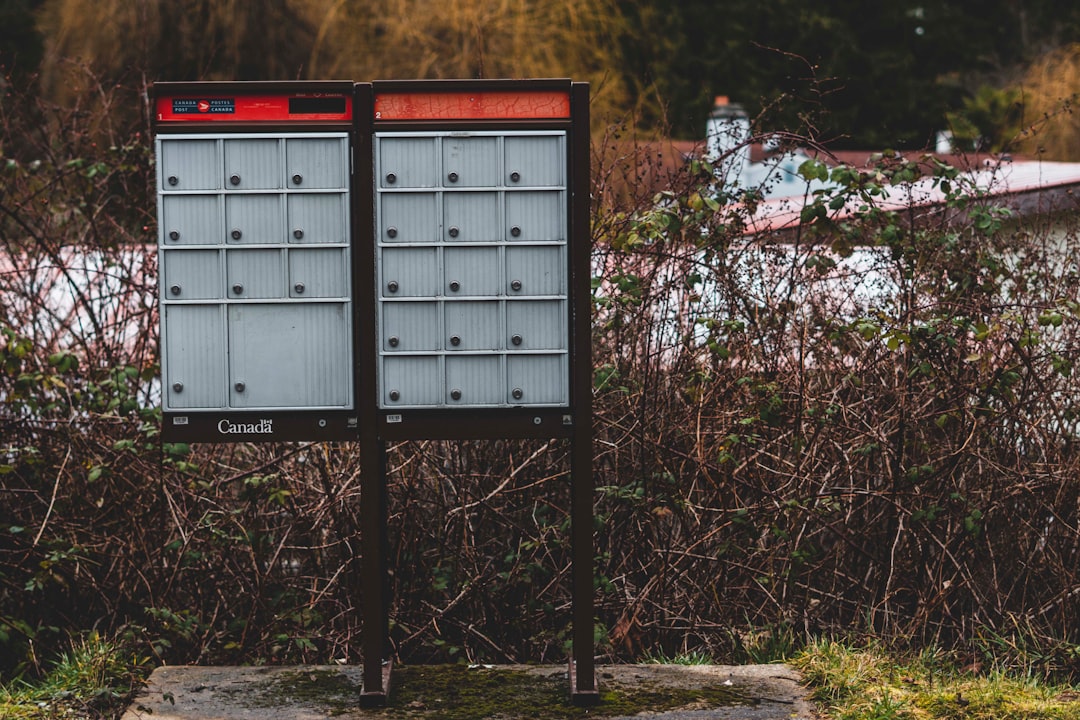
(255, 260)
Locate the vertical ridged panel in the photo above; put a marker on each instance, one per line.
(476, 377)
(257, 218)
(541, 270)
(196, 219)
(319, 163)
(256, 162)
(541, 324)
(411, 325)
(537, 215)
(414, 272)
(475, 160)
(319, 218)
(193, 337)
(542, 379)
(193, 163)
(411, 161)
(258, 273)
(408, 218)
(318, 273)
(475, 270)
(412, 380)
(475, 325)
(474, 215)
(538, 161)
(191, 275)
(290, 355)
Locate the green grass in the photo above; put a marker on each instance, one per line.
(869, 684)
(93, 680)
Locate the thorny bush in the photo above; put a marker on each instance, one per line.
(862, 420)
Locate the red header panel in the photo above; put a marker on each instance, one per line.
(294, 107)
(489, 105)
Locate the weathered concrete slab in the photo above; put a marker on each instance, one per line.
(668, 692)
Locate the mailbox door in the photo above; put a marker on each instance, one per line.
(536, 325)
(190, 220)
(407, 162)
(253, 219)
(470, 161)
(408, 218)
(536, 379)
(312, 163)
(470, 217)
(194, 374)
(254, 274)
(535, 270)
(410, 326)
(535, 217)
(473, 380)
(289, 355)
(192, 275)
(318, 218)
(534, 161)
(317, 273)
(472, 325)
(252, 164)
(188, 164)
(471, 271)
(410, 381)
(409, 272)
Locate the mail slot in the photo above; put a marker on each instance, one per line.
(536, 324)
(535, 216)
(536, 379)
(410, 326)
(471, 271)
(533, 161)
(409, 272)
(408, 218)
(470, 161)
(471, 217)
(317, 273)
(254, 274)
(253, 219)
(317, 218)
(189, 164)
(315, 163)
(472, 380)
(407, 162)
(535, 270)
(411, 381)
(252, 164)
(472, 326)
(192, 275)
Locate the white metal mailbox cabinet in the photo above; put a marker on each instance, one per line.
(480, 216)
(254, 235)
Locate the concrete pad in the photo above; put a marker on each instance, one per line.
(315, 692)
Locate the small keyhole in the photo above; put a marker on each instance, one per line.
(298, 234)
(395, 395)
(239, 386)
(391, 178)
(515, 285)
(174, 235)
(515, 176)
(516, 339)
(178, 387)
(234, 179)
(452, 177)
(454, 232)
(515, 231)
(455, 340)
(455, 285)
(299, 287)
(518, 393)
(455, 394)
(173, 180)
(175, 289)
(297, 179)
(238, 289)
(236, 234)
(392, 286)
(391, 232)
(394, 341)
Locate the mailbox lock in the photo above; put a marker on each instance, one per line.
(455, 394)
(452, 177)
(299, 287)
(392, 286)
(234, 179)
(393, 341)
(322, 422)
(395, 395)
(537, 421)
(239, 386)
(391, 232)
(173, 180)
(518, 393)
(297, 179)
(455, 285)
(455, 340)
(391, 178)
(238, 288)
(516, 339)
(454, 232)
(174, 235)
(178, 386)
(298, 233)
(515, 285)
(236, 234)
(515, 231)
(515, 176)
(174, 289)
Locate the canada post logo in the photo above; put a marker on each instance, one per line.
(203, 106)
(258, 427)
